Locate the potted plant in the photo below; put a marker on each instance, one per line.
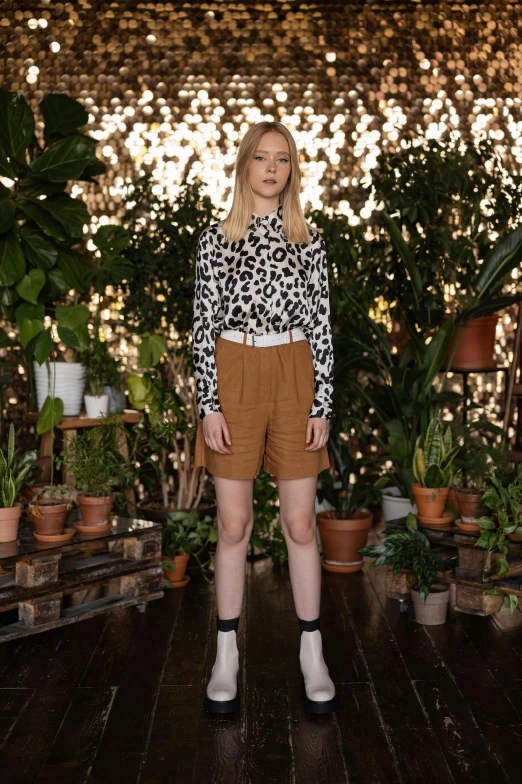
(433, 469)
(473, 192)
(11, 481)
(344, 528)
(50, 506)
(478, 458)
(408, 550)
(185, 534)
(97, 465)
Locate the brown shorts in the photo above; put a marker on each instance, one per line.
(265, 394)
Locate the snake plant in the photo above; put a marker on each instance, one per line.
(10, 481)
(434, 456)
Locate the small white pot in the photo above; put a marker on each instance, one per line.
(67, 381)
(96, 405)
(394, 505)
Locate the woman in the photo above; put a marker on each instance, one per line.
(264, 391)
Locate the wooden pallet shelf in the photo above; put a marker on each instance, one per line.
(471, 592)
(54, 585)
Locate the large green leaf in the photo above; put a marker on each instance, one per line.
(6, 169)
(43, 219)
(435, 352)
(112, 237)
(151, 349)
(38, 250)
(495, 305)
(69, 337)
(12, 259)
(16, 124)
(31, 285)
(75, 269)
(62, 115)
(72, 316)
(43, 346)
(72, 213)
(65, 159)
(405, 253)
(29, 329)
(7, 213)
(499, 261)
(50, 415)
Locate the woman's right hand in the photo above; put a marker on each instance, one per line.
(215, 429)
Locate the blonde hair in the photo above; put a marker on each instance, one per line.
(236, 224)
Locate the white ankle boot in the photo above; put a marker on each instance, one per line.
(222, 690)
(319, 689)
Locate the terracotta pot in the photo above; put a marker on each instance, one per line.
(470, 506)
(51, 518)
(430, 500)
(152, 509)
(180, 565)
(476, 345)
(434, 611)
(28, 491)
(9, 521)
(95, 511)
(342, 538)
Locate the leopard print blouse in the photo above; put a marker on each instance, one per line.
(261, 284)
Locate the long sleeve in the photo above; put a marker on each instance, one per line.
(206, 307)
(321, 334)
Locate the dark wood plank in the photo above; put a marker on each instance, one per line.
(23, 756)
(495, 715)
(465, 748)
(220, 750)
(416, 747)
(107, 665)
(268, 752)
(315, 740)
(124, 743)
(12, 705)
(173, 758)
(74, 748)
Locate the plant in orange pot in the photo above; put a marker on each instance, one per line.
(185, 534)
(94, 459)
(433, 468)
(344, 528)
(11, 481)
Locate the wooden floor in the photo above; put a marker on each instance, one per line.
(118, 697)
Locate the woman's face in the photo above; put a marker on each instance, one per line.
(271, 161)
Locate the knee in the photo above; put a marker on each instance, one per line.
(300, 531)
(234, 530)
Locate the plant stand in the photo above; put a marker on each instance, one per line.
(55, 585)
(470, 595)
(70, 427)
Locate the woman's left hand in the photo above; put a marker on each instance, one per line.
(317, 431)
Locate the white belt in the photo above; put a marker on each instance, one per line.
(274, 339)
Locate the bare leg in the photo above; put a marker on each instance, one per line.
(297, 507)
(235, 519)
(298, 520)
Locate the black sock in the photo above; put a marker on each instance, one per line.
(309, 626)
(227, 626)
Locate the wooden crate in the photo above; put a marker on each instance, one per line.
(54, 585)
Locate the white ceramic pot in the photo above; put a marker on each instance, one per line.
(96, 405)
(394, 505)
(67, 381)
(116, 398)
(433, 612)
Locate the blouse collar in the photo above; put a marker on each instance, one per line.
(275, 218)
